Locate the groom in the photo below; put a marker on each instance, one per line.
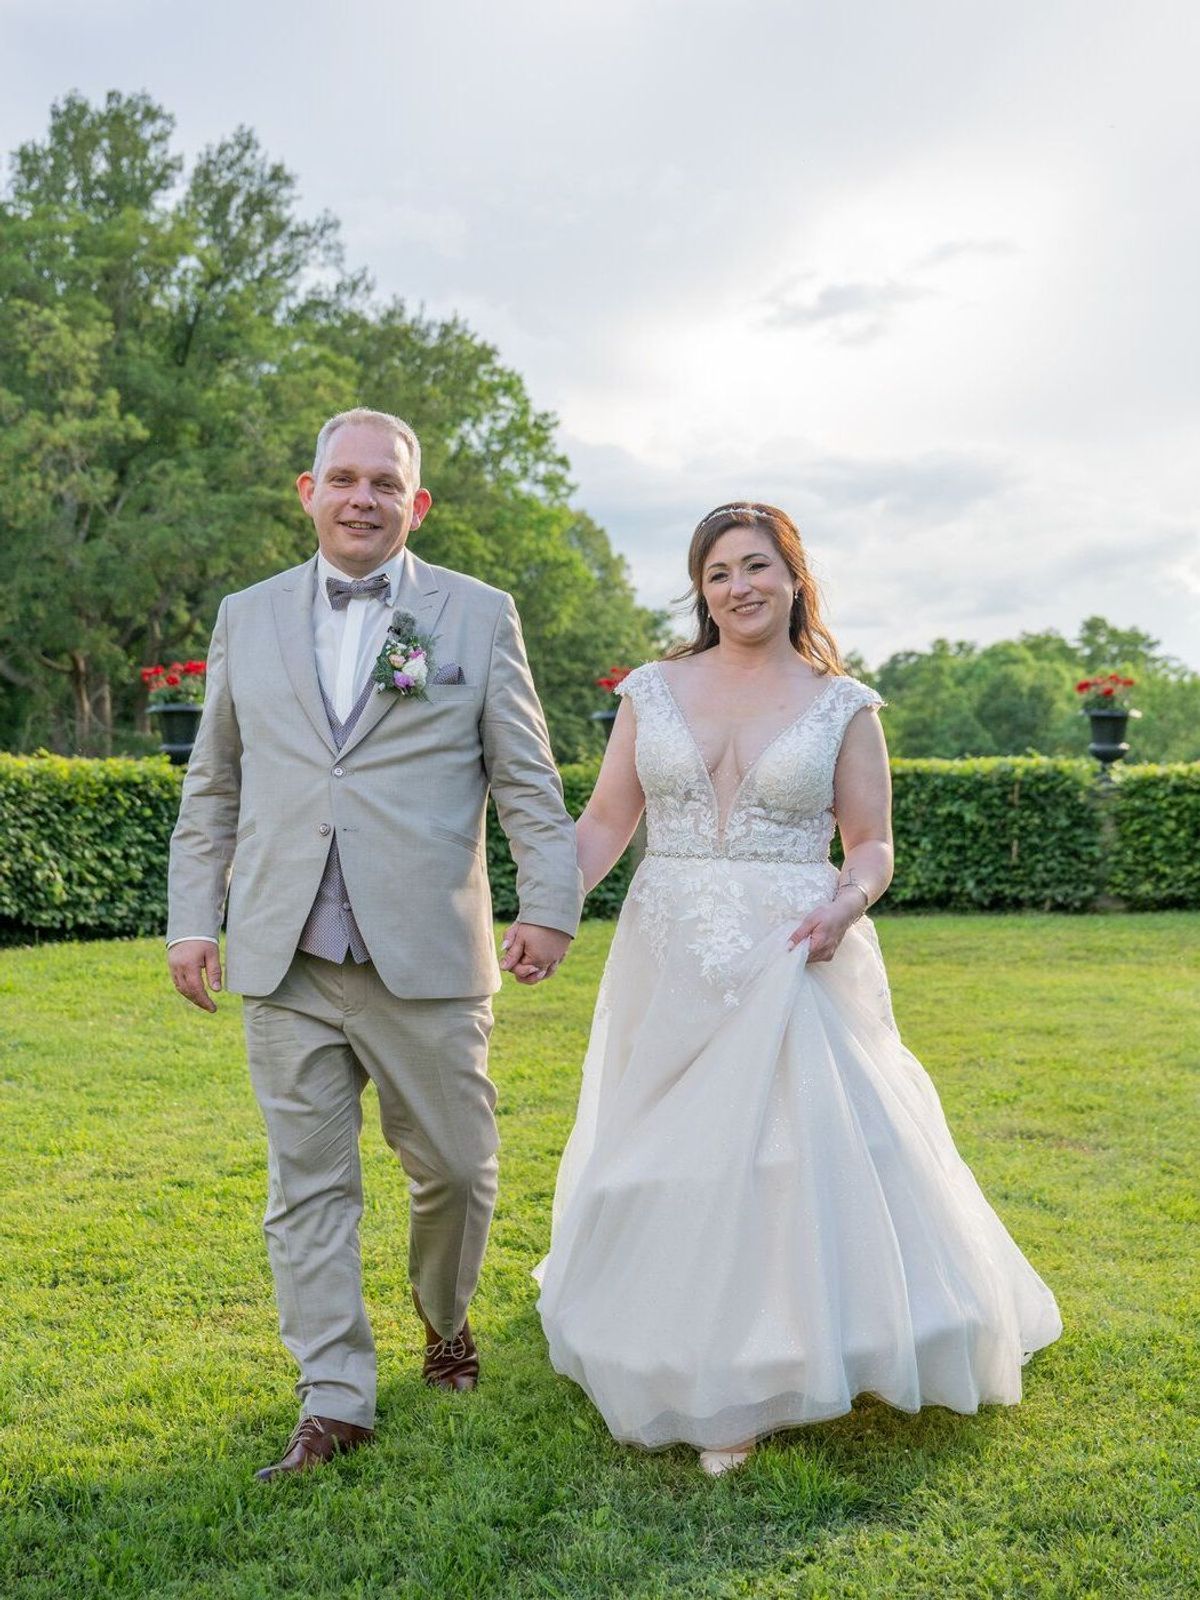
(347, 825)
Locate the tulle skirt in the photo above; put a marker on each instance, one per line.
(760, 1213)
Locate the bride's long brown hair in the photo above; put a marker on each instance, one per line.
(810, 637)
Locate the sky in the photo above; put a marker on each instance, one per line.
(922, 272)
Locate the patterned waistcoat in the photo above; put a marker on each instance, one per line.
(331, 931)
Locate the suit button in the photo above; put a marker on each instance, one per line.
(323, 828)
(337, 772)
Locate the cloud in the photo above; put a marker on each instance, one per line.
(859, 311)
(931, 488)
(929, 285)
(847, 507)
(957, 249)
(967, 544)
(855, 313)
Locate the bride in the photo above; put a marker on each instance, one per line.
(760, 1212)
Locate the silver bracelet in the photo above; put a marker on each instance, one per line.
(850, 884)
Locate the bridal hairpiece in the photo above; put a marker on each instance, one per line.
(721, 511)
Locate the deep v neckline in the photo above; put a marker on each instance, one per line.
(722, 823)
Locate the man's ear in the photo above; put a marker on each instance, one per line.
(306, 487)
(422, 501)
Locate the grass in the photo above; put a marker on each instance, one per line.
(141, 1381)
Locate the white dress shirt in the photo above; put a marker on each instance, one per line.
(346, 641)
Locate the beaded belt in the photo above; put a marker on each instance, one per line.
(753, 861)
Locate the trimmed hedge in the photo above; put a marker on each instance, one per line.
(578, 780)
(83, 844)
(1155, 859)
(997, 834)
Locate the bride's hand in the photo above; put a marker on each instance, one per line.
(825, 927)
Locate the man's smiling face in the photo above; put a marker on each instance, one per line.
(364, 501)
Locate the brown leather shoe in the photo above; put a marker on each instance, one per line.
(451, 1363)
(315, 1441)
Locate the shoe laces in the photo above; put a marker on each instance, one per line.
(455, 1348)
(305, 1432)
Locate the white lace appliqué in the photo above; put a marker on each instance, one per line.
(782, 814)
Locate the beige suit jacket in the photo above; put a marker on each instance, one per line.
(266, 791)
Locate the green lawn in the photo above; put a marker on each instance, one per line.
(141, 1381)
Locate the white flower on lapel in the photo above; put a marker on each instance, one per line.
(406, 660)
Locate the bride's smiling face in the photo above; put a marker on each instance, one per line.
(747, 586)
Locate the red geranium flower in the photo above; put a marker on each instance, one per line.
(180, 682)
(613, 677)
(1106, 692)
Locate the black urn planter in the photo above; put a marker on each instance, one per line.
(180, 722)
(1108, 736)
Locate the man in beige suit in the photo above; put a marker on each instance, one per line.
(347, 826)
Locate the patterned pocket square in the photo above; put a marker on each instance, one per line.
(450, 673)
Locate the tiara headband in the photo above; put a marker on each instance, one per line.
(721, 511)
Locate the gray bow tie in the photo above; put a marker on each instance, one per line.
(342, 590)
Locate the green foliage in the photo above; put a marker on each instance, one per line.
(1018, 697)
(995, 834)
(83, 845)
(142, 1380)
(1156, 843)
(169, 344)
(605, 900)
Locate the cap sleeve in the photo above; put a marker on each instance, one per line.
(858, 696)
(634, 684)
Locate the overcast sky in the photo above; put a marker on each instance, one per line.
(925, 274)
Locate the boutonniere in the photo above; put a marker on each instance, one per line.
(404, 664)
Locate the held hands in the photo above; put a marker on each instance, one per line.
(532, 953)
(826, 925)
(192, 961)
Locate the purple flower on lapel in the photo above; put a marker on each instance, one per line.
(405, 663)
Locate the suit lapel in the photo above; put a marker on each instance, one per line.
(418, 592)
(292, 602)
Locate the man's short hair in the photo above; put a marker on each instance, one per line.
(381, 419)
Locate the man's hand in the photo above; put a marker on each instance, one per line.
(532, 953)
(192, 961)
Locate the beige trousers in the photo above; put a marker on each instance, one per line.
(312, 1046)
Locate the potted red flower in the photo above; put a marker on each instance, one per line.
(1105, 701)
(176, 695)
(609, 681)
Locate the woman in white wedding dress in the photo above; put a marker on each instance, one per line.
(760, 1212)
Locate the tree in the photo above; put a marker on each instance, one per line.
(149, 384)
(502, 505)
(931, 708)
(169, 346)
(1019, 696)
(1101, 647)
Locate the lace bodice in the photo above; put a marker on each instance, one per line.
(783, 807)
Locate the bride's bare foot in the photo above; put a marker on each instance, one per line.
(716, 1463)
